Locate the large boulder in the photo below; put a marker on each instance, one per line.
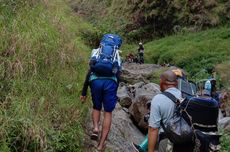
(224, 123)
(225, 102)
(123, 132)
(126, 93)
(123, 94)
(142, 94)
(133, 73)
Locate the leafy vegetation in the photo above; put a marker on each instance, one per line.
(42, 56)
(223, 69)
(44, 49)
(195, 52)
(198, 53)
(225, 141)
(144, 20)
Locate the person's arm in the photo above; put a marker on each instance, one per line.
(154, 122)
(85, 86)
(118, 76)
(152, 138)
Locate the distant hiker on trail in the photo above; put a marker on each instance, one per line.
(130, 58)
(103, 78)
(210, 89)
(135, 60)
(207, 88)
(141, 53)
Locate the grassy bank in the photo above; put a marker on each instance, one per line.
(197, 52)
(193, 51)
(42, 66)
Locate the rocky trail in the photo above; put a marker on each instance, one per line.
(134, 92)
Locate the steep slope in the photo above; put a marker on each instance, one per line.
(192, 51)
(42, 61)
(198, 53)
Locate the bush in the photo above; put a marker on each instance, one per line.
(91, 37)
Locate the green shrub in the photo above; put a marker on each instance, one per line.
(225, 142)
(91, 37)
(144, 20)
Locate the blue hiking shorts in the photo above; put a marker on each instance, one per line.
(104, 92)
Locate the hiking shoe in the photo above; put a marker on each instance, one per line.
(137, 147)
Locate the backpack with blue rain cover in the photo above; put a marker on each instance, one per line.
(105, 61)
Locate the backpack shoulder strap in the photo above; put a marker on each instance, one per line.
(171, 97)
(95, 52)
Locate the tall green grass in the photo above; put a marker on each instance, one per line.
(197, 53)
(225, 141)
(192, 51)
(43, 62)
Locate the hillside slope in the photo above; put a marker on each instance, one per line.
(144, 20)
(42, 61)
(44, 56)
(197, 52)
(204, 48)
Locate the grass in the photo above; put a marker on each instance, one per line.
(193, 52)
(43, 59)
(225, 141)
(43, 62)
(223, 69)
(207, 47)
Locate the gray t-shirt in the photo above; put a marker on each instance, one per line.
(162, 108)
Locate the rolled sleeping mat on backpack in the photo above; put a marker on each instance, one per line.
(204, 113)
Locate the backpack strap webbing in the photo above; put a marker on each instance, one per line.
(171, 97)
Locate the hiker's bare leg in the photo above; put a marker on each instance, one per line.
(96, 119)
(105, 129)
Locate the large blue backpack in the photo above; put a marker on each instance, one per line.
(105, 61)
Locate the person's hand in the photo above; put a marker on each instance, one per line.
(82, 98)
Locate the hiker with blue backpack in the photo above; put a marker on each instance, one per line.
(103, 79)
